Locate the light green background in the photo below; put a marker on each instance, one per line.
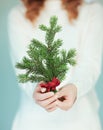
(9, 91)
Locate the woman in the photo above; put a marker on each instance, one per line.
(82, 28)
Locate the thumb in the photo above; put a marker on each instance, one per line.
(40, 88)
(60, 93)
(43, 90)
(61, 105)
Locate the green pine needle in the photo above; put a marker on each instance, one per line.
(48, 60)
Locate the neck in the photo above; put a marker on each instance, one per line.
(53, 4)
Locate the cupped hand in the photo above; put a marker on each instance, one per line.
(67, 96)
(46, 100)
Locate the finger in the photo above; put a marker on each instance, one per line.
(43, 90)
(65, 105)
(65, 95)
(38, 88)
(52, 105)
(62, 92)
(43, 96)
(45, 103)
(59, 94)
(36, 92)
(52, 109)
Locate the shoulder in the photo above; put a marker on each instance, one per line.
(17, 13)
(92, 7)
(91, 11)
(95, 9)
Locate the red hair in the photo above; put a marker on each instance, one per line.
(34, 8)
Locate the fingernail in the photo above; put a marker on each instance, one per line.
(43, 90)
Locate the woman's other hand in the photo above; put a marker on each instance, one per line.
(46, 100)
(67, 96)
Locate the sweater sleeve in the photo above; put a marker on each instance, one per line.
(88, 68)
(19, 36)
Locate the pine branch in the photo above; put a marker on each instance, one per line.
(43, 27)
(46, 61)
(25, 64)
(71, 53)
(23, 78)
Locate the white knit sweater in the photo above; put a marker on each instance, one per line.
(86, 36)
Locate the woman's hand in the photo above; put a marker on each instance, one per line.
(46, 100)
(67, 96)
